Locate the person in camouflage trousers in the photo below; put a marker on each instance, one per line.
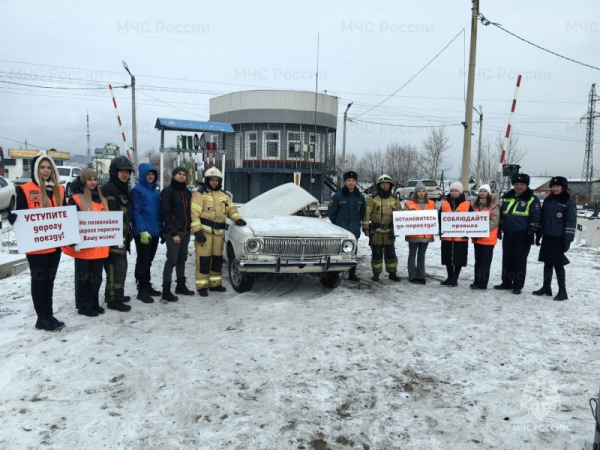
(378, 225)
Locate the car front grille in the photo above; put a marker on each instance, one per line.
(302, 247)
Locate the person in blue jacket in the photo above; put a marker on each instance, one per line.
(520, 215)
(557, 231)
(347, 210)
(147, 225)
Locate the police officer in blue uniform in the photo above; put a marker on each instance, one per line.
(519, 223)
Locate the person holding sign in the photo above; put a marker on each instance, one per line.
(417, 244)
(147, 225)
(88, 261)
(557, 231)
(43, 191)
(454, 249)
(378, 225)
(347, 209)
(116, 192)
(484, 247)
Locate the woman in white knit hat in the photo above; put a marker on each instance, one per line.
(484, 247)
(454, 249)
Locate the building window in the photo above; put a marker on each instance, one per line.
(295, 139)
(315, 152)
(271, 144)
(238, 150)
(251, 143)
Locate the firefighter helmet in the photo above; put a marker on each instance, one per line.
(385, 179)
(119, 163)
(213, 172)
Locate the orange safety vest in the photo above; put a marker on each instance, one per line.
(413, 206)
(492, 239)
(463, 207)
(87, 253)
(33, 194)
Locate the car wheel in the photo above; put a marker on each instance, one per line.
(68, 190)
(241, 281)
(331, 279)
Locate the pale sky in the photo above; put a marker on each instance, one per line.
(184, 53)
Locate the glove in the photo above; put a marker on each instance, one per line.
(538, 239)
(566, 246)
(530, 238)
(145, 237)
(391, 234)
(366, 231)
(12, 218)
(199, 235)
(500, 234)
(240, 223)
(162, 239)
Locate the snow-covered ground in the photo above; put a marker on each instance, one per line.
(293, 365)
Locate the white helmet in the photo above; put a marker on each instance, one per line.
(213, 172)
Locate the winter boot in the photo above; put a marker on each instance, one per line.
(144, 296)
(118, 306)
(562, 295)
(181, 287)
(168, 295)
(450, 272)
(544, 290)
(203, 292)
(562, 290)
(352, 275)
(375, 277)
(55, 321)
(394, 277)
(125, 298)
(153, 292)
(44, 323)
(100, 309)
(217, 288)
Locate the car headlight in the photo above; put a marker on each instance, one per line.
(347, 246)
(253, 245)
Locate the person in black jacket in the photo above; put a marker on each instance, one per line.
(557, 231)
(175, 211)
(519, 222)
(347, 210)
(116, 192)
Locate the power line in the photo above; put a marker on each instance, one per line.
(19, 142)
(415, 75)
(57, 87)
(487, 22)
(407, 126)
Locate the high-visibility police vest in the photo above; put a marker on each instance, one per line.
(413, 206)
(87, 253)
(33, 194)
(492, 239)
(513, 201)
(463, 207)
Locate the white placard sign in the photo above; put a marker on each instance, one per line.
(100, 229)
(469, 224)
(409, 223)
(44, 228)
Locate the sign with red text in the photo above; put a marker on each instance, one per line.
(44, 228)
(410, 223)
(466, 224)
(100, 229)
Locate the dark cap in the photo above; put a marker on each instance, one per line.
(520, 178)
(559, 181)
(176, 170)
(350, 174)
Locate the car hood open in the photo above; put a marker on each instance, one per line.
(283, 200)
(296, 227)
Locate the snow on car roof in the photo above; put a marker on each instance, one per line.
(283, 200)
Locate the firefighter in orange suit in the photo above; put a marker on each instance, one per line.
(210, 209)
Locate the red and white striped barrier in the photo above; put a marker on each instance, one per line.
(119, 119)
(508, 128)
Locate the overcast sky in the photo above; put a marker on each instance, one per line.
(184, 53)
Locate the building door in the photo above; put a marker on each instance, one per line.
(254, 183)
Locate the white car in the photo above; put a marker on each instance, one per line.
(406, 192)
(285, 234)
(8, 195)
(67, 175)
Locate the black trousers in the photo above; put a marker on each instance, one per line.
(115, 267)
(515, 249)
(43, 272)
(143, 263)
(177, 255)
(483, 262)
(88, 278)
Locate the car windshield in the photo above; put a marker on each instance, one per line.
(64, 171)
(26, 175)
(429, 183)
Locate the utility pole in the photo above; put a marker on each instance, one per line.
(480, 112)
(133, 121)
(466, 159)
(588, 160)
(88, 160)
(344, 137)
